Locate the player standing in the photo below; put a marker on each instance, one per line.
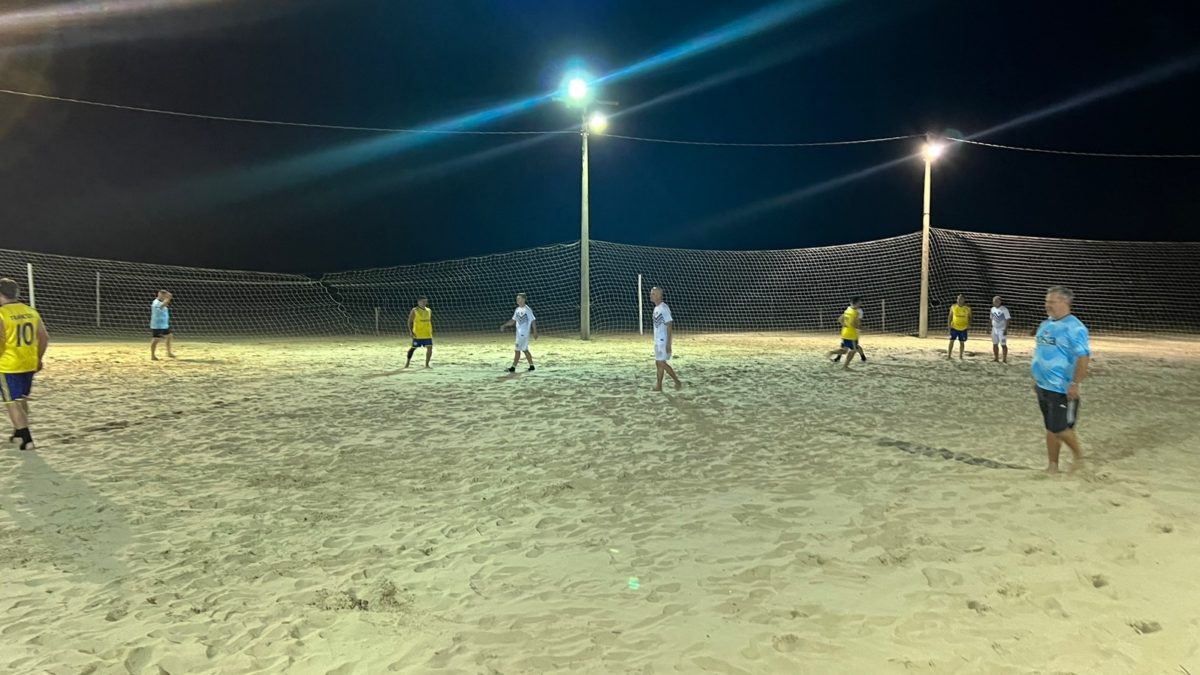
(23, 342)
(1000, 319)
(960, 322)
(526, 325)
(663, 336)
(160, 324)
(420, 327)
(1060, 364)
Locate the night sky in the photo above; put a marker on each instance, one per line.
(115, 184)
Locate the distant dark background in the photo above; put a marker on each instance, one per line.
(105, 183)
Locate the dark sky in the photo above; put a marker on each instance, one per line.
(107, 183)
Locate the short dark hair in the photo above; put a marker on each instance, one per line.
(10, 289)
(522, 296)
(421, 297)
(855, 300)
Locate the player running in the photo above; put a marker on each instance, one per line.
(856, 305)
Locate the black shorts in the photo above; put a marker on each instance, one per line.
(160, 332)
(1058, 413)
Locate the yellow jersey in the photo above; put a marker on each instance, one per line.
(422, 323)
(849, 330)
(961, 316)
(20, 349)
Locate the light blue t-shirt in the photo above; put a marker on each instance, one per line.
(160, 315)
(1059, 345)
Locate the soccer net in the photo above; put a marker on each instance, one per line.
(1119, 286)
(104, 298)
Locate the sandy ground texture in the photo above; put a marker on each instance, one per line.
(308, 507)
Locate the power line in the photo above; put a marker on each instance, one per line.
(279, 123)
(764, 145)
(641, 139)
(1118, 155)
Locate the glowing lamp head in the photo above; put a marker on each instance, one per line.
(932, 151)
(597, 123)
(577, 89)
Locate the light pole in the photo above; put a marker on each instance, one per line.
(580, 94)
(930, 151)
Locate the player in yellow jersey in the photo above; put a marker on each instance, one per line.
(960, 322)
(23, 341)
(420, 328)
(850, 321)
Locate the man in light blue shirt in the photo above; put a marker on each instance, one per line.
(160, 324)
(1060, 364)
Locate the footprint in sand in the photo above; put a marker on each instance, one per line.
(786, 643)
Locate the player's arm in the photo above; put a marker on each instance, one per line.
(670, 335)
(950, 317)
(43, 338)
(533, 328)
(3, 337)
(508, 324)
(412, 316)
(1083, 352)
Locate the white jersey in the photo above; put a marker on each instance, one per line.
(662, 317)
(1000, 318)
(523, 317)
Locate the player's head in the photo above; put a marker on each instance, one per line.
(1058, 301)
(656, 295)
(997, 301)
(520, 299)
(962, 300)
(164, 295)
(855, 301)
(10, 291)
(422, 301)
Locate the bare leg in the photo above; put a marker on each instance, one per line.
(1005, 348)
(1072, 442)
(428, 355)
(153, 349)
(19, 414)
(861, 354)
(1053, 445)
(516, 360)
(996, 352)
(950, 350)
(671, 371)
(409, 359)
(658, 365)
(962, 345)
(528, 357)
(170, 352)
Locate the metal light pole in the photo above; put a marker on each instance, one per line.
(579, 93)
(585, 269)
(931, 151)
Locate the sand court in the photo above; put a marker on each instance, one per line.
(312, 507)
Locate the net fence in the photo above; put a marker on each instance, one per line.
(1119, 286)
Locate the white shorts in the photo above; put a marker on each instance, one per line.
(999, 337)
(660, 351)
(522, 342)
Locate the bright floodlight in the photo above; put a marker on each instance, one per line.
(577, 89)
(933, 150)
(597, 123)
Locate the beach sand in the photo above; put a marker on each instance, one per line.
(308, 507)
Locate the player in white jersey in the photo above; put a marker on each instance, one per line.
(526, 326)
(662, 339)
(1000, 319)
